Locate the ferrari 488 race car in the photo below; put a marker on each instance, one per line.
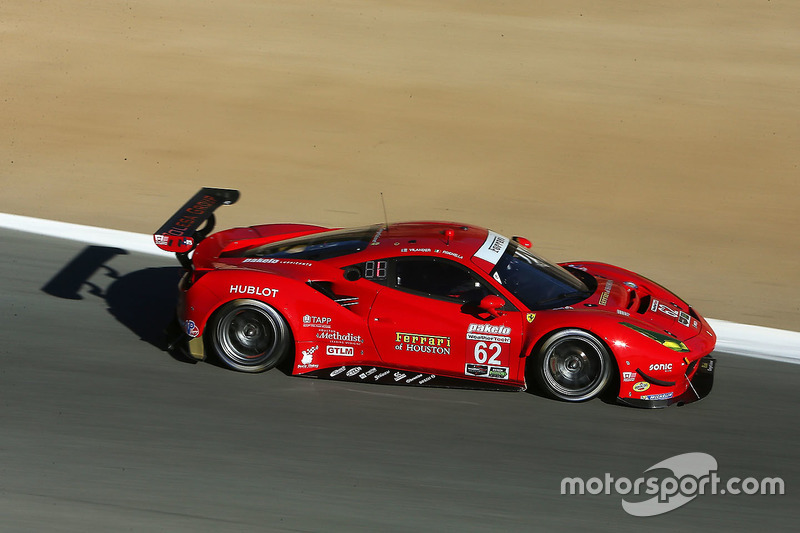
(437, 304)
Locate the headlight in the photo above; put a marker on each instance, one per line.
(670, 342)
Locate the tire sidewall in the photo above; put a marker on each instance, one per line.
(281, 331)
(540, 361)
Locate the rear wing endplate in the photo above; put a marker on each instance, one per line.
(182, 232)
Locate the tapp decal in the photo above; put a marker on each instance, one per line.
(253, 291)
(414, 342)
(310, 321)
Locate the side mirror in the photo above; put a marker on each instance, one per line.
(523, 241)
(492, 304)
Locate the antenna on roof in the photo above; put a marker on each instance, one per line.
(385, 216)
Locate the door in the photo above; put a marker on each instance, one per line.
(427, 319)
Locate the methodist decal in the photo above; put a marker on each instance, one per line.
(492, 248)
(346, 338)
(415, 342)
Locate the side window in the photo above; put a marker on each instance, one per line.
(438, 278)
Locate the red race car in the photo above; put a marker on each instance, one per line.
(437, 304)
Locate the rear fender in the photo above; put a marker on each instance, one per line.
(314, 317)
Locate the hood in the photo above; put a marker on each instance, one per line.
(631, 295)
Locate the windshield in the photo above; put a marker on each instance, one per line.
(537, 283)
(317, 246)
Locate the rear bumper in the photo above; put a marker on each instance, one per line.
(699, 387)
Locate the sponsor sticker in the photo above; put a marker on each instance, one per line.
(662, 396)
(368, 373)
(489, 333)
(476, 370)
(311, 321)
(492, 248)
(606, 292)
(661, 367)
(641, 386)
(253, 291)
(488, 338)
(629, 376)
(273, 261)
(333, 335)
(498, 372)
(308, 358)
(339, 351)
(191, 329)
(415, 342)
(489, 329)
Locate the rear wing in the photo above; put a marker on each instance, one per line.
(182, 232)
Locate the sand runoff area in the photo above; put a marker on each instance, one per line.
(659, 136)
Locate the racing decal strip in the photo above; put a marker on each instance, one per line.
(391, 376)
(737, 339)
(492, 248)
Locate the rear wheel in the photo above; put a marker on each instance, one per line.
(573, 365)
(250, 336)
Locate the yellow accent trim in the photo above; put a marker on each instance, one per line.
(197, 348)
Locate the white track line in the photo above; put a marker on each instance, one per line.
(733, 338)
(133, 242)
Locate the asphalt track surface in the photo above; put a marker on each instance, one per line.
(103, 430)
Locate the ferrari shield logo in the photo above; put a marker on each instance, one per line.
(530, 317)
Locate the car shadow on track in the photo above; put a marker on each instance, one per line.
(144, 300)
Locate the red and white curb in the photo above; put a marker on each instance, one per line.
(733, 338)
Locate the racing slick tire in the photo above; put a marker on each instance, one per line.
(573, 365)
(249, 336)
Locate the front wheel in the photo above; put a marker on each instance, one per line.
(250, 336)
(573, 365)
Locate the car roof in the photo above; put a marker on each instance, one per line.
(425, 237)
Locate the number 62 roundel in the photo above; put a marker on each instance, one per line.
(488, 351)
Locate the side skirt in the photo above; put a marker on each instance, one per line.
(391, 376)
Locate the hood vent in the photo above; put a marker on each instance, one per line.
(644, 304)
